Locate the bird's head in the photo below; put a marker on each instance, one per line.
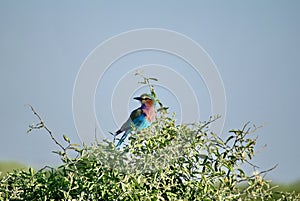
(145, 99)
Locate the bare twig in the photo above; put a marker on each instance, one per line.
(260, 173)
(96, 139)
(42, 169)
(41, 125)
(254, 166)
(211, 120)
(266, 171)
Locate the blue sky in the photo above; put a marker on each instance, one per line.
(254, 44)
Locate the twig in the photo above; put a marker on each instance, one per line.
(266, 171)
(263, 172)
(42, 169)
(254, 166)
(41, 124)
(96, 139)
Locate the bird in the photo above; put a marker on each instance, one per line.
(139, 118)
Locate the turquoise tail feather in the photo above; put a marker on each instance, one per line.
(122, 139)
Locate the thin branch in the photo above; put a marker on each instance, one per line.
(211, 120)
(42, 169)
(96, 139)
(41, 124)
(266, 171)
(263, 172)
(254, 166)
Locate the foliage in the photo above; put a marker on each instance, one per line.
(164, 162)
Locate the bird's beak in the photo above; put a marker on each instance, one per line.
(138, 98)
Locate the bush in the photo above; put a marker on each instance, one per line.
(164, 162)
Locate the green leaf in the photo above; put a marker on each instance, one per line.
(66, 138)
(228, 139)
(31, 171)
(152, 78)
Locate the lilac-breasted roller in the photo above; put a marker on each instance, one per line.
(140, 118)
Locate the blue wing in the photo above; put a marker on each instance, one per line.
(137, 119)
(141, 122)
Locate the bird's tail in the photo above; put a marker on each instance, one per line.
(122, 139)
(115, 134)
